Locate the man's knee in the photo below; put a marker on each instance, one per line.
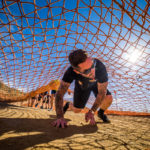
(109, 98)
(77, 110)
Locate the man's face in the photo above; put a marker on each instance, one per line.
(86, 69)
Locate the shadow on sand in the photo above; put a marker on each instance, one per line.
(43, 131)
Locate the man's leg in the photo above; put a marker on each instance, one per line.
(79, 101)
(106, 102)
(52, 100)
(53, 94)
(104, 105)
(70, 106)
(29, 102)
(41, 103)
(49, 103)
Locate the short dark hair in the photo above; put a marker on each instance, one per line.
(76, 57)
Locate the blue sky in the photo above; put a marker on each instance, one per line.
(36, 40)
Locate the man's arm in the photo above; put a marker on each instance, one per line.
(102, 90)
(59, 98)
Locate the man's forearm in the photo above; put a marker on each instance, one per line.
(98, 101)
(59, 98)
(59, 105)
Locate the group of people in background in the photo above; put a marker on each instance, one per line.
(43, 100)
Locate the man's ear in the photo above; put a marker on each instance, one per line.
(76, 71)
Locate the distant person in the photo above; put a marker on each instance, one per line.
(39, 101)
(43, 103)
(53, 93)
(48, 100)
(31, 101)
(90, 75)
(43, 99)
(35, 100)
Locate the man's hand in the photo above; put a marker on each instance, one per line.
(60, 123)
(90, 116)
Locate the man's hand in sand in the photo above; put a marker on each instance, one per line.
(90, 116)
(60, 123)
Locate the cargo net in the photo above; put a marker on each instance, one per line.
(37, 36)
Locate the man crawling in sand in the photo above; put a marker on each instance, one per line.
(90, 75)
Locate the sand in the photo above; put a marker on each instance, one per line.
(29, 128)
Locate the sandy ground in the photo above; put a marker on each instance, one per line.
(29, 128)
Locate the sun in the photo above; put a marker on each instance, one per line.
(134, 55)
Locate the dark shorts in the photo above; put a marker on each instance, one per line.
(48, 96)
(39, 98)
(45, 93)
(53, 91)
(47, 101)
(81, 96)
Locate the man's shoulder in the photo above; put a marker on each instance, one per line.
(69, 75)
(69, 69)
(101, 72)
(98, 62)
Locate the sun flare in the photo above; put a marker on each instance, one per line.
(134, 55)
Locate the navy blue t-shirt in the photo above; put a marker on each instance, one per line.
(101, 75)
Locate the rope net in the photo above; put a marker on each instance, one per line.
(36, 38)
